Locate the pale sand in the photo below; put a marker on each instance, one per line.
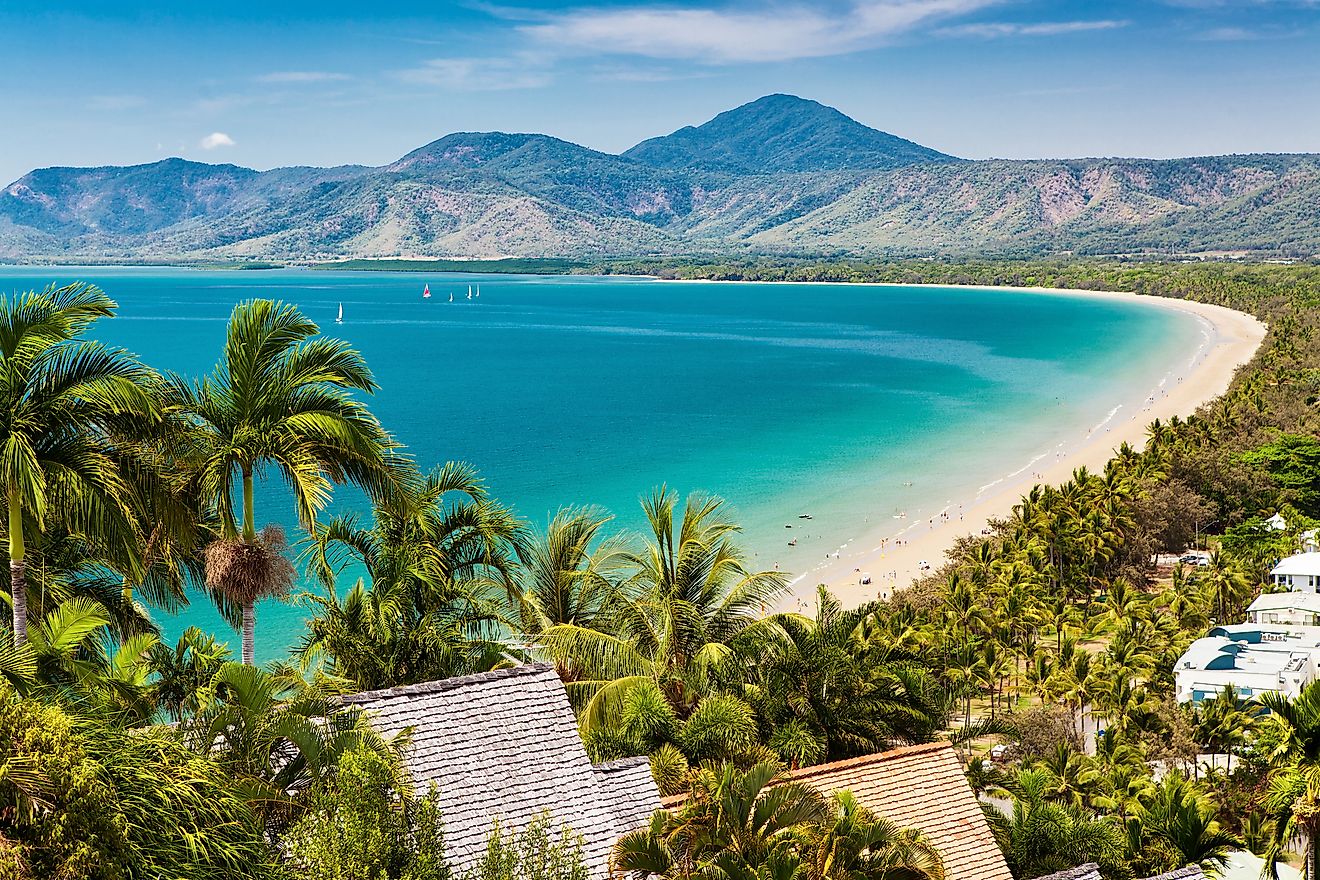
(1230, 339)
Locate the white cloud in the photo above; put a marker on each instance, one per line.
(480, 74)
(216, 139)
(302, 76)
(728, 35)
(991, 30)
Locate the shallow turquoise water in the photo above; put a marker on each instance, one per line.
(782, 398)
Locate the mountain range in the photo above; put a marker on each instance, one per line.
(779, 175)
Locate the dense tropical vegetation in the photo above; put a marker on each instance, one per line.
(1055, 633)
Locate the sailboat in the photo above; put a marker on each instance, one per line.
(426, 292)
(469, 291)
(478, 291)
(340, 318)
(451, 296)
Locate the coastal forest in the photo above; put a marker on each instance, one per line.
(131, 492)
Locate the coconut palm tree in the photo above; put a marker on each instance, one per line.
(1039, 837)
(1292, 798)
(850, 693)
(68, 402)
(281, 396)
(758, 824)
(567, 572)
(688, 606)
(1181, 823)
(858, 845)
(439, 561)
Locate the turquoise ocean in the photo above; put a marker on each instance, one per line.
(849, 402)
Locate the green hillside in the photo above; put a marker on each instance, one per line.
(778, 176)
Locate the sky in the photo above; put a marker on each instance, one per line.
(271, 83)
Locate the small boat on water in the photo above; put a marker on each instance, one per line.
(426, 292)
(469, 291)
(340, 318)
(451, 296)
(478, 291)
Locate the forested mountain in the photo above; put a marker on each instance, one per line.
(779, 175)
(781, 133)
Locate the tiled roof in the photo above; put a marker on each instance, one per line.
(921, 787)
(1089, 871)
(505, 745)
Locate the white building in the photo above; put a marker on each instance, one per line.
(1300, 573)
(1290, 609)
(1252, 658)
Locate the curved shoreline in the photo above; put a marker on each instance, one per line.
(1230, 339)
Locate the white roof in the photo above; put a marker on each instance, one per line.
(1301, 564)
(1246, 866)
(1289, 601)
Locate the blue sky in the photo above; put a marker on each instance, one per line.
(270, 83)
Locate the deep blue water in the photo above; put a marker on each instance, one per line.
(782, 398)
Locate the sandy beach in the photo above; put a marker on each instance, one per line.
(1228, 340)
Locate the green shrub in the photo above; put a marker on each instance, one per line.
(535, 853)
(364, 826)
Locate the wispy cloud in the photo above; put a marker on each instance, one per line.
(302, 76)
(996, 29)
(215, 140)
(726, 35)
(480, 74)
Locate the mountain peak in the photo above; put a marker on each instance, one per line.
(782, 133)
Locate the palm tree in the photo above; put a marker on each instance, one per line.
(759, 824)
(567, 572)
(688, 606)
(1040, 837)
(280, 396)
(742, 816)
(849, 692)
(67, 402)
(858, 845)
(276, 735)
(438, 559)
(1184, 824)
(1292, 798)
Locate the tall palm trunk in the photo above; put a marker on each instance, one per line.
(249, 537)
(17, 569)
(249, 633)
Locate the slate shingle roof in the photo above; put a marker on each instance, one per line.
(505, 745)
(1090, 871)
(921, 787)
(629, 787)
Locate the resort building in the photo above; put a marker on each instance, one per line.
(1300, 572)
(1290, 609)
(504, 745)
(1252, 658)
(921, 787)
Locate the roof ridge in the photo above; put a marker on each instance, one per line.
(448, 684)
(873, 758)
(621, 763)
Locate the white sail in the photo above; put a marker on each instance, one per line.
(340, 319)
